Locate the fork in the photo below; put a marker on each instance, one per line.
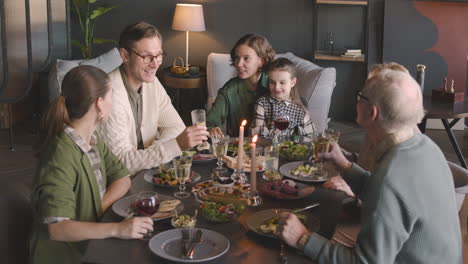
(185, 241)
(283, 258)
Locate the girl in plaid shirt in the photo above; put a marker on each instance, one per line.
(282, 100)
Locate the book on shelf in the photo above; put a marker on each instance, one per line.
(354, 50)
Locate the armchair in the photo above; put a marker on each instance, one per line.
(106, 62)
(314, 83)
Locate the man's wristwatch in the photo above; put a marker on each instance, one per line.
(303, 240)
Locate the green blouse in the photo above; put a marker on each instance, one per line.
(65, 186)
(235, 102)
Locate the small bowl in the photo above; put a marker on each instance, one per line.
(183, 221)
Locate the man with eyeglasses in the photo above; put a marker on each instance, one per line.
(144, 130)
(408, 212)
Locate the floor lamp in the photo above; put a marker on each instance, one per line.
(188, 17)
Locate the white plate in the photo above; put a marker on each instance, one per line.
(257, 219)
(168, 245)
(148, 176)
(288, 167)
(122, 206)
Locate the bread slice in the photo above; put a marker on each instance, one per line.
(168, 206)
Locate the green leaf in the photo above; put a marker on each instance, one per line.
(92, 1)
(103, 40)
(78, 44)
(101, 11)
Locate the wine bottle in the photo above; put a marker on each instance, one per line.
(420, 75)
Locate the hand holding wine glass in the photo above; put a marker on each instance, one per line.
(147, 204)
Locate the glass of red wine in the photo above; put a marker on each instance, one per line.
(281, 122)
(147, 204)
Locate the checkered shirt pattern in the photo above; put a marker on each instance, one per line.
(91, 153)
(267, 107)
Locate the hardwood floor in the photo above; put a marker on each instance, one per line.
(17, 168)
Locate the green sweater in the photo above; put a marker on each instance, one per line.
(235, 102)
(65, 186)
(409, 212)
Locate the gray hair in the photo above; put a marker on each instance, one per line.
(398, 98)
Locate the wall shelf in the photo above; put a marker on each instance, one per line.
(320, 55)
(342, 2)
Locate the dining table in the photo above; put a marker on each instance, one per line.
(246, 246)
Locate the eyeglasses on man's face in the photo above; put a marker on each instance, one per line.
(360, 96)
(149, 58)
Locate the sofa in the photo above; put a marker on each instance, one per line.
(314, 83)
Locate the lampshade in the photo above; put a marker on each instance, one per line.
(188, 17)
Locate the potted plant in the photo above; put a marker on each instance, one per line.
(87, 12)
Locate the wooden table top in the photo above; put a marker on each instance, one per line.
(246, 246)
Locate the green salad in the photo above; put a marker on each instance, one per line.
(291, 150)
(219, 212)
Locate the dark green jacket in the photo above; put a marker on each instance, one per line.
(235, 102)
(65, 186)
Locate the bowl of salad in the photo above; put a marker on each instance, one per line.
(295, 148)
(184, 221)
(220, 212)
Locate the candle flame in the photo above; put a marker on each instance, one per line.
(244, 122)
(254, 139)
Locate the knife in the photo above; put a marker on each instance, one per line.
(194, 242)
(305, 208)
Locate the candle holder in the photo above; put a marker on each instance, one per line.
(254, 198)
(239, 178)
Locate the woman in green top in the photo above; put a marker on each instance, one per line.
(235, 101)
(78, 177)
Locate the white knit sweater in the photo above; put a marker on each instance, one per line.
(160, 125)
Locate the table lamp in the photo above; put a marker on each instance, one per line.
(188, 17)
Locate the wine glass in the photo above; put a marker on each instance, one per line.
(220, 147)
(147, 204)
(182, 166)
(332, 134)
(199, 117)
(281, 122)
(321, 145)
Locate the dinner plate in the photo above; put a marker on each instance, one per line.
(288, 167)
(168, 245)
(303, 190)
(203, 158)
(207, 184)
(122, 206)
(257, 219)
(148, 176)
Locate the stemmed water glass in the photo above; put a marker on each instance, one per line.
(147, 204)
(182, 166)
(220, 147)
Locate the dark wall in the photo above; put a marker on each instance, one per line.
(289, 25)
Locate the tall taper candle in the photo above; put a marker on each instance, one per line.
(240, 147)
(253, 164)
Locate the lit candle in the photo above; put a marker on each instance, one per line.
(240, 147)
(253, 164)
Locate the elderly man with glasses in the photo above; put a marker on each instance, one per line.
(144, 130)
(408, 212)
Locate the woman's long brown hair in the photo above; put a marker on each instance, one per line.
(81, 87)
